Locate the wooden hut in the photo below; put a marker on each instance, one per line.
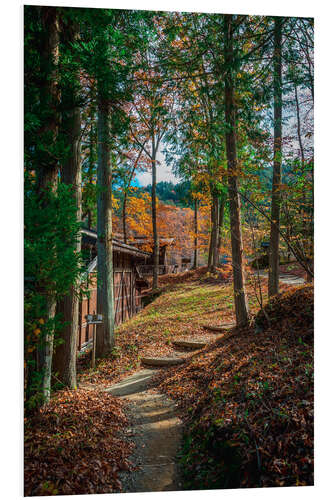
(166, 262)
(127, 280)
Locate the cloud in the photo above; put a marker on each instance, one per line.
(163, 173)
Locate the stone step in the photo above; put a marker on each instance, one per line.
(133, 384)
(193, 344)
(219, 328)
(162, 361)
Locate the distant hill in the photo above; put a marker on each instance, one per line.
(171, 194)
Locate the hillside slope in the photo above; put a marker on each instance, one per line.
(248, 401)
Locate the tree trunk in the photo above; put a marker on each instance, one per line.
(195, 256)
(273, 276)
(303, 202)
(124, 208)
(48, 173)
(156, 250)
(221, 221)
(91, 158)
(124, 215)
(105, 300)
(241, 304)
(215, 250)
(65, 354)
(299, 132)
(47, 351)
(211, 240)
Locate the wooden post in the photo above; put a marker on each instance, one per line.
(93, 357)
(94, 319)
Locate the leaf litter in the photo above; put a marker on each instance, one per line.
(246, 399)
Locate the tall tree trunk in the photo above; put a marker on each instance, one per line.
(240, 298)
(215, 249)
(124, 208)
(105, 295)
(92, 155)
(156, 249)
(273, 275)
(48, 173)
(46, 354)
(124, 216)
(308, 241)
(299, 132)
(211, 240)
(65, 354)
(221, 221)
(300, 142)
(195, 256)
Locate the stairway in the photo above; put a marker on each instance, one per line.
(189, 343)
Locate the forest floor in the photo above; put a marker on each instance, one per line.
(244, 402)
(156, 430)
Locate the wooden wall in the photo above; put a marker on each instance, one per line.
(127, 296)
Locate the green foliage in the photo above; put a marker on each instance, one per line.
(51, 233)
(51, 267)
(209, 448)
(173, 194)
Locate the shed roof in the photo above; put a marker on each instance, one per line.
(118, 246)
(143, 240)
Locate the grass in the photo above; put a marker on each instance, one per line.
(223, 391)
(179, 309)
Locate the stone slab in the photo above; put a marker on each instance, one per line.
(133, 384)
(162, 361)
(221, 328)
(194, 344)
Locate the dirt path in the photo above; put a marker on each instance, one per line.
(289, 279)
(156, 431)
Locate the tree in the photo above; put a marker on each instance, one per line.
(65, 355)
(105, 300)
(114, 38)
(273, 277)
(195, 251)
(48, 172)
(150, 123)
(51, 227)
(241, 305)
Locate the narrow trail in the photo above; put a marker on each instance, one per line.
(155, 426)
(288, 279)
(156, 431)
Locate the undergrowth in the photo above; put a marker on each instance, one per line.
(248, 402)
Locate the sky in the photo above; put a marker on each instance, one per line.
(163, 171)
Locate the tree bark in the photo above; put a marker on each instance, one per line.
(240, 297)
(215, 249)
(124, 216)
(195, 256)
(91, 157)
(300, 142)
(308, 238)
(105, 295)
(47, 180)
(299, 132)
(221, 221)
(46, 354)
(124, 208)
(156, 249)
(273, 275)
(65, 354)
(212, 235)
